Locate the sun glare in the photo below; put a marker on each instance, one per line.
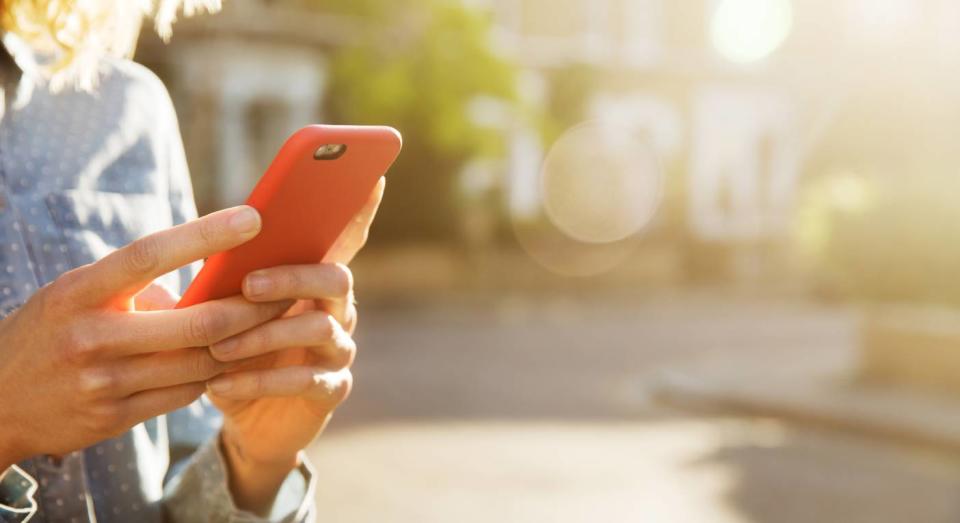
(601, 183)
(746, 31)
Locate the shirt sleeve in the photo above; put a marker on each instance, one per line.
(200, 493)
(17, 489)
(196, 488)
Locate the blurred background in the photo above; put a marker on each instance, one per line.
(640, 260)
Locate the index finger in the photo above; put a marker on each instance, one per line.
(129, 269)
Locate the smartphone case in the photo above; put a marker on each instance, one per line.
(304, 203)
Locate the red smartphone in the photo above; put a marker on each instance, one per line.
(318, 182)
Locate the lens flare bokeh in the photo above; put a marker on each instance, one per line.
(745, 31)
(601, 183)
(600, 186)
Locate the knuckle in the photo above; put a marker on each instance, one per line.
(347, 354)
(198, 331)
(79, 346)
(204, 365)
(106, 417)
(187, 396)
(56, 296)
(208, 231)
(291, 281)
(343, 351)
(362, 238)
(97, 382)
(142, 256)
(353, 317)
(341, 279)
(323, 327)
(64, 286)
(330, 392)
(255, 384)
(263, 338)
(204, 326)
(343, 388)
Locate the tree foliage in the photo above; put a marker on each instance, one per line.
(417, 66)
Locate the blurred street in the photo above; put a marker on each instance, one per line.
(539, 409)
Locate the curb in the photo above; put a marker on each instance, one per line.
(863, 409)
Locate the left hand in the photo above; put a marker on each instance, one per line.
(297, 367)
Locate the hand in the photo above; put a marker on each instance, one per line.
(297, 367)
(85, 359)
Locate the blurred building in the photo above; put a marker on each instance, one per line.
(741, 99)
(741, 104)
(734, 130)
(242, 81)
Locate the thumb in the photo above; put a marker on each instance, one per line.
(354, 236)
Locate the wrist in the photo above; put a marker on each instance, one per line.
(240, 457)
(254, 483)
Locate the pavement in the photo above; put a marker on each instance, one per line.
(549, 408)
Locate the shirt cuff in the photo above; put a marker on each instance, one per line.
(201, 492)
(17, 489)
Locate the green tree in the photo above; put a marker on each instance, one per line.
(417, 65)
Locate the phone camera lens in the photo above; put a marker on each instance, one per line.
(330, 151)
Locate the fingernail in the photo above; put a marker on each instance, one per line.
(220, 386)
(245, 220)
(257, 284)
(224, 348)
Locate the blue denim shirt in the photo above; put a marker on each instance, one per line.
(80, 175)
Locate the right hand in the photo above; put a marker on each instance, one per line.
(79, 363)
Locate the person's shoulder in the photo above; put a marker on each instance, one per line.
(132, 76)
(136, 85)
(133, 79)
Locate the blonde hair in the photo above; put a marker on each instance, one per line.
(70, 37)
